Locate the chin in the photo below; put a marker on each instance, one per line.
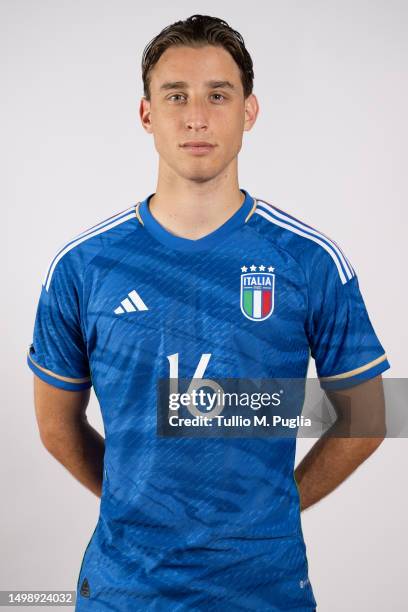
(200, 175)
(200, 178)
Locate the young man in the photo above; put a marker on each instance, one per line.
(198, 280)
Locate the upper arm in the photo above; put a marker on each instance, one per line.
(57, 409)
(361, 408)
(58, 354)
(342, 339)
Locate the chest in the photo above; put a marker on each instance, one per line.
(239, 307)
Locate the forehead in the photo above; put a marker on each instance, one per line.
(195, 65)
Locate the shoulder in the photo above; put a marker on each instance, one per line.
(309, 246)
(73, 256)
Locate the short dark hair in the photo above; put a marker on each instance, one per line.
(198, 31)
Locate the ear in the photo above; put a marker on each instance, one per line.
(251, 111)
(145, 114)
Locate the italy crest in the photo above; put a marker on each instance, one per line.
(257, 293)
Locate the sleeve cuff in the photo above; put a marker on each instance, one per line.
(356, 376)
(62, 382)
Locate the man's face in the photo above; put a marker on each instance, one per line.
(197, 96)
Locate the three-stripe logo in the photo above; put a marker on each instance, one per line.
(132, 303)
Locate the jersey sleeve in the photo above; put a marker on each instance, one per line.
(58, 352)
(342, 339)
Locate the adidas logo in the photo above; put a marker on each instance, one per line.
(85, 590)
(131, 303)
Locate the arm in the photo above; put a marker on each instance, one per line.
(66, 433)
(360, 410)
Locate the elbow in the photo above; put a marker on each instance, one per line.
(52, 438)
(378, 433)
(374, 441)
(47, 438)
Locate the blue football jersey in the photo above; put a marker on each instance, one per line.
(198, 523)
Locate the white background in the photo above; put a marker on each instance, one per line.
(330, 147)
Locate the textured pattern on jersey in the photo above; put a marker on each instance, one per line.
(195, 524)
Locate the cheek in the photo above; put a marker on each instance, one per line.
(231, 135)
(165, 123)
(229, 125)
(165, 134)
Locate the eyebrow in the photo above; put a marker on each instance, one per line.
(183, 84)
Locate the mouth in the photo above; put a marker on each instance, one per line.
(198, 148)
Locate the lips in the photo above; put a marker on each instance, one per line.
(197, 143)
(198, 147)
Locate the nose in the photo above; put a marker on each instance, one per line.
(196, 116)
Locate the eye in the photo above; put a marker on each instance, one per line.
(219, 96)
(175, 96)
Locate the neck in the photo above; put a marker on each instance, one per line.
(191, 209)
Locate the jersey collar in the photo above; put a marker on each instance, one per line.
(239, 218)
